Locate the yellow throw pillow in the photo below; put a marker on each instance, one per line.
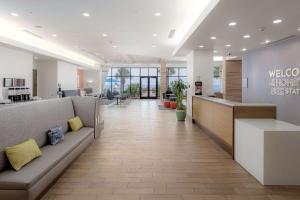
(21, 154)
(75, 123)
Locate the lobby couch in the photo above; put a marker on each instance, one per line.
(32, 120)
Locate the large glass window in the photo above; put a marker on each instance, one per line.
(126, 81)
(135, 87)
(135, 71)
(217, 80)
(175, 74)
(144, 71)
(115, 72)
(152, 71)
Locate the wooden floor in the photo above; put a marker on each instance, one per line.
(145, 154)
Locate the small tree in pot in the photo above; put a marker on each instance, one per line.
(178, 88)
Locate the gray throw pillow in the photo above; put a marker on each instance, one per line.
(55, 135)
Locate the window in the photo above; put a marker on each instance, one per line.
(152, 71)
(144, 71)
(135, 71)
(175, 74)
(217, 79)
(126, 80)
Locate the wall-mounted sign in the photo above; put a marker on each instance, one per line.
(285, 82)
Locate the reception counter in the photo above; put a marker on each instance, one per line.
(268, 149)
(216, 117)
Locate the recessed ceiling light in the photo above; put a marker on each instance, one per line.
(154, 35)
(14, 14)
(157, 14)
(215, 51)
(277, 21)
(104, 35)
(246, 36)
(201, 46)
(232, 24)
(267, 41)
(54, 35)
(213, 37)
(244, 49)
(228, 45)
(298, 29)
(114, 46)
(153, 46)
(86, 14)
(218, 58)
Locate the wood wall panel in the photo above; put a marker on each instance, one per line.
(232, 84)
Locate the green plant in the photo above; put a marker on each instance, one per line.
(123, 73)
(135, 89)
(178, 88)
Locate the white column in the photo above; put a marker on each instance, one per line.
(200, 68)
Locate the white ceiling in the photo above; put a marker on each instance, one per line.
(250, 16)
(130, 24)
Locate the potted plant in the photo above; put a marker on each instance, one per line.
(178, 88)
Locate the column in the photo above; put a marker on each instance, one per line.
(200, 68)
(163, 78)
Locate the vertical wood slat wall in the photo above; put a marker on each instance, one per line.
(232, 76)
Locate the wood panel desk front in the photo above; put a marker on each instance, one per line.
(216, 117)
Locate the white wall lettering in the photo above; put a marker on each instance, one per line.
(285, 82)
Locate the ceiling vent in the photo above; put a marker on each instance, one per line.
(171, 33)
(31, 33)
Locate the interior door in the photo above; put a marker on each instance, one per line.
(148, 87)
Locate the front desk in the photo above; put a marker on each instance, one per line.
(216, 117)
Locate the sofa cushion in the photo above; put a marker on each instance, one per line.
(75, 123)
(32, 120)
(55, 135)
(21, 154)
(31, 173)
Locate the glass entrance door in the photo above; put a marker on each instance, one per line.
(148, 85)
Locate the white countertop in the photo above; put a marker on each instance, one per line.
(233, 103)
(270, 124)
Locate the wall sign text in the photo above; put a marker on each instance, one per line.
(285, 82)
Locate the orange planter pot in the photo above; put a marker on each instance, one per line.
(167, 104)
(173, 105)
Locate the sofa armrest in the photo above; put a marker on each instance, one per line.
(89, 111)
(85, 108)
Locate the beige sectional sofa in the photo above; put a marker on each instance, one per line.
(32, 120)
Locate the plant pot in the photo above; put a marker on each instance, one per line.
(180, 114)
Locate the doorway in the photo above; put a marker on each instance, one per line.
(148, 85)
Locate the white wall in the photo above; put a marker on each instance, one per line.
(67, 75)
(16, 64)
(92, 79)
(47, 79)
(199, 68)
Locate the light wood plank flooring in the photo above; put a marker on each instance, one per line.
(145, 154)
